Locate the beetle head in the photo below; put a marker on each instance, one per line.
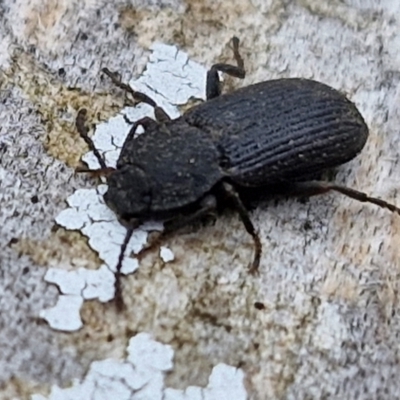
(129, 192)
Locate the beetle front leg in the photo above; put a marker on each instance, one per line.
(319, 187)
(244, 216)
(145, 122)
(213, 85)
(207, 207)
(160, 114)
(119, 301)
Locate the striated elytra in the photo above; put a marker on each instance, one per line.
(276, 134)
(281, 130)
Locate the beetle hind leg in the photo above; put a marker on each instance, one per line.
(319, 187)
(213, 85)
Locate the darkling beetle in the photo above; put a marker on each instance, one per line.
(274, 134)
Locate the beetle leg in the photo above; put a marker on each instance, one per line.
(130, 226)
(140, 97)
(244, 216)
(319, 187)
(213, 86)
(207, 207)
(145, 122)
(119, 301)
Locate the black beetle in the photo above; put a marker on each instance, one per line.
(274, 134)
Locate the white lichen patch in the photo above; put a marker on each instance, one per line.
(64, 316)
(170, 79)
(141, 376)
(225, 382)
(76, 286)
(166, 254)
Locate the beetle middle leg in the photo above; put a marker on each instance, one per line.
(320, 187)
(213, 85)
(232, 194)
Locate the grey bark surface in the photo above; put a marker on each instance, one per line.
(329, 274)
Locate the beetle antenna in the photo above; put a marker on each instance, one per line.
(83, 132)
(137, 96)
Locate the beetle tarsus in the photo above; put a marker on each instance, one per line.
(237, 56)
